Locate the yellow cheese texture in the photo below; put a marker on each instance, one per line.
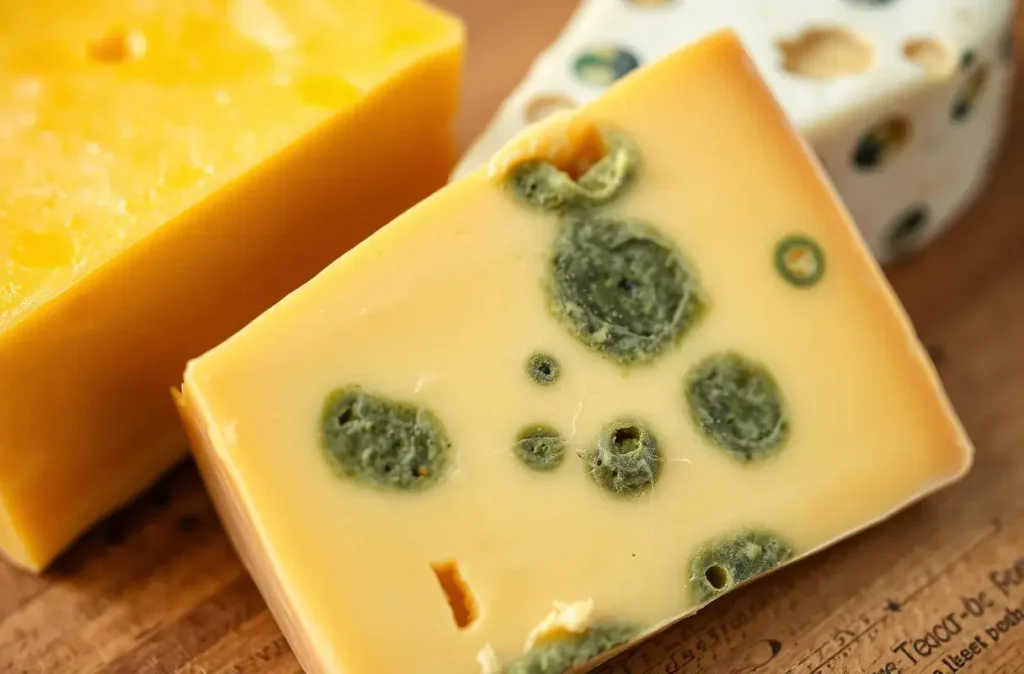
(170, 170)
(639, 359)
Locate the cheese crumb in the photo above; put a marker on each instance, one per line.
(572, 618)
(488, 660)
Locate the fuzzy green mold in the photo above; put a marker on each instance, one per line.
(722, 564)
(737, 405)
(544, 186)
(566, 652)
(625, 459)
(382, 442)
(540, 447)
(621, 288)
(543, 368)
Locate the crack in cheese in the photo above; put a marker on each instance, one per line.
(442, 308)
(167, 171)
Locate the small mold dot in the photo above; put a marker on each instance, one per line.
(651, 3)
(907, 231)
(540, 447)
(967, 59)
(543, 368)
(880, 143)
(117, 46)
(602, 65)
(873, 3)
(543, 106)
(825, 53)
(929, 55)
(969, 93)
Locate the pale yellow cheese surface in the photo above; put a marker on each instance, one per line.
(443, 307)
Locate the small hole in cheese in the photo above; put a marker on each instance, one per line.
(883, 141)
(543, 368)
(601, 65)
(117, 46)
(625, 435)
(543, 106)
(930, 55)
(582, 152)
(459, 596)
(717, 576)
(824, 53)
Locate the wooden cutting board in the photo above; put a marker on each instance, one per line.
(157, 588)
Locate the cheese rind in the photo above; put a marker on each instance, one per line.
(870, 428)
(155, 199)
(904, 102)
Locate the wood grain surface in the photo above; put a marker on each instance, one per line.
(157, 589)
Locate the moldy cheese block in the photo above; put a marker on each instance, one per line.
(904, 101)
(170, 170)
(639, 359)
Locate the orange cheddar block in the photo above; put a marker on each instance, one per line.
(168, 170)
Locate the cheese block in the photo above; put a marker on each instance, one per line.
(638, 359)
(170, 170)
(904, 101)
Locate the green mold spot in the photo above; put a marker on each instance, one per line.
(970, 92)
(621, 288)
(724, 563)
(570, 651)
(543, 368)
(545, 186)
(907, 231)
(383, 442)
(800, 261)
(873, 3)
(540, 447)
(625, 460)
(737, 405)
(883, 141)
(602, 65)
